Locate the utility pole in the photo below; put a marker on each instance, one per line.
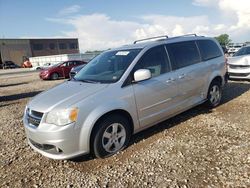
(1, 51)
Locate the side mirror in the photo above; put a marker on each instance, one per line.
(142, 74)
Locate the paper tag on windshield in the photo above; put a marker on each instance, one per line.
(122, 53)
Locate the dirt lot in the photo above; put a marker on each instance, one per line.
(199, 148)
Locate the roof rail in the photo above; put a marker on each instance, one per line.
(193, 34)
(151, 38)
(187, 35)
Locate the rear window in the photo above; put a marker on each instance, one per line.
(183, 54)
(208, 49)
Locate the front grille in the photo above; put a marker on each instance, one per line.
(239, 74)
(34, 117)
(239, 66)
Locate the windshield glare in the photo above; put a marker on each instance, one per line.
(108, 67)
(243, 51)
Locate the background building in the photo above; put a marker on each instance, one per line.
(17, 50)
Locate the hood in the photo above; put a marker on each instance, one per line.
(64, 95)
(239, 60)
(51, 67)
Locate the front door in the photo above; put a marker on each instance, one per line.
(155, 98)
(66, 68)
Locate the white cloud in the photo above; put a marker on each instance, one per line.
(205, 2)
(237, 13)
(99, 31)
(69, 10)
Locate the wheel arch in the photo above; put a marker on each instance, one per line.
(54, 73)
(107, 114)
(217, 78)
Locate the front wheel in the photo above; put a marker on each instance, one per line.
(214, 94)
(111, 135)
(54, 76)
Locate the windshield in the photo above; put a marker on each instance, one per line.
(243, 51)
(107, 67)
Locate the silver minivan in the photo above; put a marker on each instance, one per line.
(123, 91)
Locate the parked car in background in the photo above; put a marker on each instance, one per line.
(60, 70)
(123, 91)
(233, 48)
(45, 66)
(10, 65)
(75, 70)
(239, 64)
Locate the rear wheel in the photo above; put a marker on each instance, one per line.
(111, 135)
(54, 76)
(214, 94)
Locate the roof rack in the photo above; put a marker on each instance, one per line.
(187, 35)
(151, 38)
(166, 37)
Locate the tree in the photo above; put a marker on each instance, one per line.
(223, 39)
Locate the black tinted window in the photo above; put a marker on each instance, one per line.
(52, 46)
(62, 46)
(209, 49)
(37, 46)
(155, 60)
(183, 54)
(73, 45)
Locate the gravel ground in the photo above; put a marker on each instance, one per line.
(198, 148)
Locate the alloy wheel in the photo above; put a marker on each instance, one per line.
(114, 137)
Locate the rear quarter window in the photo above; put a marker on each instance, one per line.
(208, 49)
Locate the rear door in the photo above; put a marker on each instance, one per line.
(155, 98)
(191, 72)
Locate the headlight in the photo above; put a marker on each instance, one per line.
(62, 117)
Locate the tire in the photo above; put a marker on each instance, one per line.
(111, 135)
(54, 76)
(214, 94)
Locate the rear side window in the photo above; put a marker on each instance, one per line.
(156, 60)
(183, 54)
(208, 49)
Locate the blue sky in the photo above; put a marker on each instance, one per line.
(102, 24)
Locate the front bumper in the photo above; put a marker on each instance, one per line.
(44, 76)
(238, 73)
(54, 141)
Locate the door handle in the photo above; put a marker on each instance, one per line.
(182, 76)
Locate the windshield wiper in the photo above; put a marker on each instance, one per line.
(89, 81)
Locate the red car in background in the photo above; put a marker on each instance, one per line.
(60, 70)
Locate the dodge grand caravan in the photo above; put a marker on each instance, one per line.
(123, 91)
